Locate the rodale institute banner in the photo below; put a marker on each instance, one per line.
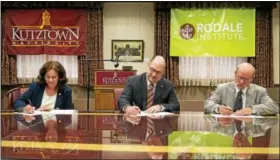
(215, 32)
(45, 31)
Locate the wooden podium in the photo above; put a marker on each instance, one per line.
(105, 83)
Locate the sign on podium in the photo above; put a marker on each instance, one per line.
(105, 83)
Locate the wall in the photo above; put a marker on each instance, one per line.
(276, 42)
(129, 21)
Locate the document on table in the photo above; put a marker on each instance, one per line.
(141, 114)
(236, 116)
(60, 112)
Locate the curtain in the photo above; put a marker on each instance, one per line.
(8, 62)
(28, 67)
(263, 61)
(94, 47)
(207, 71)
(162, 25)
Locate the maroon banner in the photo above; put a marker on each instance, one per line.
(45, 31)
(112, 78)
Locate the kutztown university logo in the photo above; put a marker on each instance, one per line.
(187, 31)
(46, 34)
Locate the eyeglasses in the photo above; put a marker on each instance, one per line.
(155, 71)
(243, 78)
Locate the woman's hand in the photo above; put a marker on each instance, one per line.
(28, 109)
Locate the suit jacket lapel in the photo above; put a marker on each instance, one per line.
(159, 89)
(58, 99)
(250, 96)
(40, 96)
(144, 91)
(230, 99)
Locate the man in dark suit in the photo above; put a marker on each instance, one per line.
(150, 91)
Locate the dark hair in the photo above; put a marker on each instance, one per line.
(55, 65)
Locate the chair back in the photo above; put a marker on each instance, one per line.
(117, 94)
(9, 98)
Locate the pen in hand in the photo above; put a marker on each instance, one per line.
(29, 108)
(227, 107)
(29, 101)
(225, 110)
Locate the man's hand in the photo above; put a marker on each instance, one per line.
(244, 111)
(132, 110)
(225, 110)
(133, 119)
(28, 109)
(154, 109)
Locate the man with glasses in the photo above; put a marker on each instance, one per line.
(150, 91)
(241, 97)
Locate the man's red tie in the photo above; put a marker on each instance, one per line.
(150, 97)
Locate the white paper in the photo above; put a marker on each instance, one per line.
(236, 116)
(60, 112)
(141, 114)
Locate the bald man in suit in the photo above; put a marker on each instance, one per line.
(135, 95)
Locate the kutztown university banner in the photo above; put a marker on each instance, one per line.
(215, 32)
(45, 31)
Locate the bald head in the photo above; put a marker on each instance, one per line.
(158, 60)
(246, 68)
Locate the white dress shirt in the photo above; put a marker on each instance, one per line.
(50, 102)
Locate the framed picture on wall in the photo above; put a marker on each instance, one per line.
(128, 50)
